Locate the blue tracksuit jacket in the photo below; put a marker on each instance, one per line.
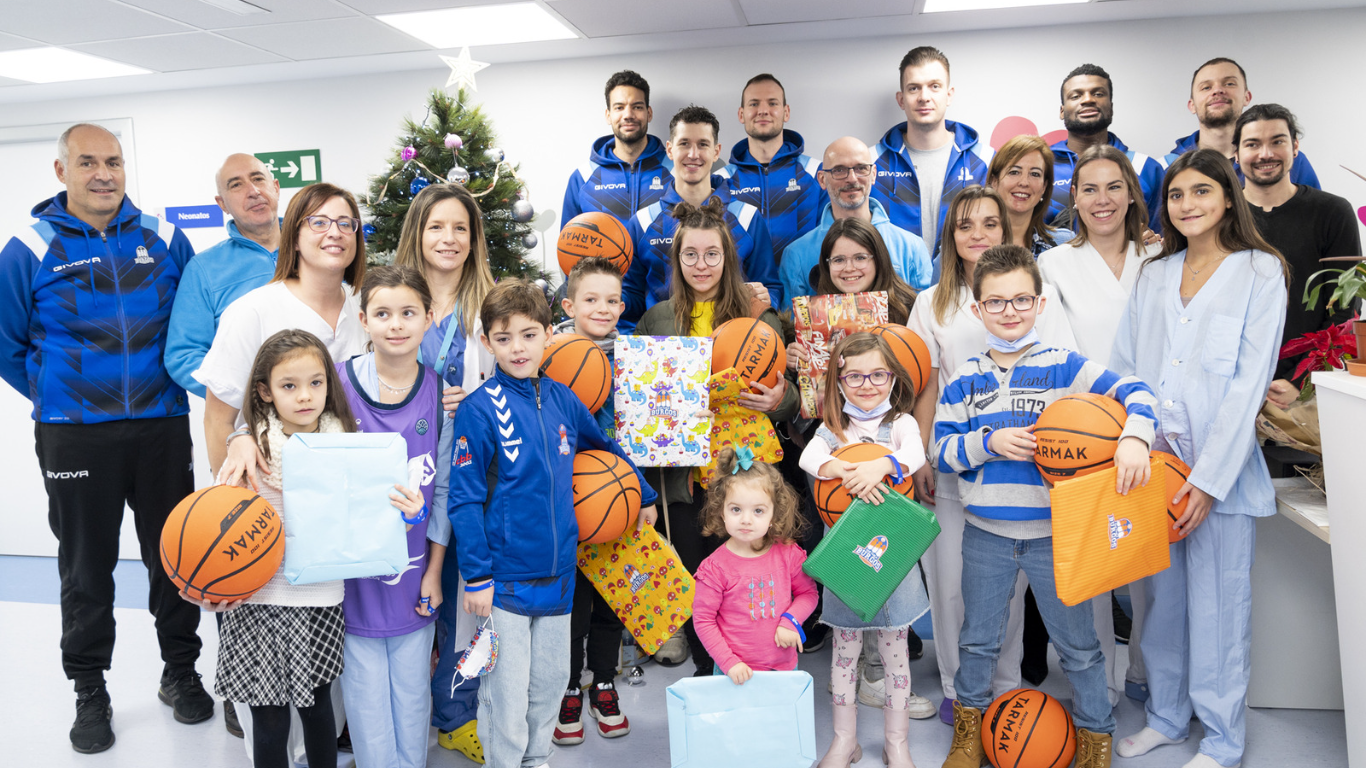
(1149, 169)
(785, 191)
(898, 188)
(606, 183)
(1300, 173)
(83, 315)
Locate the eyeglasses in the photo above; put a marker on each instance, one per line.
(347, 225)
(997, 306)
(862, 170)
(858, 260)
(876, 378)
(710, 258)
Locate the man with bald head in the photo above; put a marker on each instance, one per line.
(250, 195)
(847, 174)
(85, 298)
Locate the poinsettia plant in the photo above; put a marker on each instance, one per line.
(1325, 350)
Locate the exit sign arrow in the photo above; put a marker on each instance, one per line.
(294, 168)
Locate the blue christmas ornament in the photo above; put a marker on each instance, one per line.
(420, 183)
(368, 231)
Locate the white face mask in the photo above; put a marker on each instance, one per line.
(1009, 347)
(480, 656)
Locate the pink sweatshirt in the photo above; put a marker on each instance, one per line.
(740, 602)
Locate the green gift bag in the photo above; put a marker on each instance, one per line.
(871, 549)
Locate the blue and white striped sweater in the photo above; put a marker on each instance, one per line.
(981, 397)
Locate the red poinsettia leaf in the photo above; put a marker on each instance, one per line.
(1297, 346)
(1306, 365)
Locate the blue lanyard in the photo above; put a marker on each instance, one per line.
(446, 342)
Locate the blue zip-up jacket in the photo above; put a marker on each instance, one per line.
(898, 189)
(213, 280)
(652, 231)
(83, 315)
(515, 521)
(1150, 171)
(1301, 172)
(910, 256)
(785, 191)
(607, 183)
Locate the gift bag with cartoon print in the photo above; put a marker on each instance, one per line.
(661, 386)
(641, 577)
(733, 426)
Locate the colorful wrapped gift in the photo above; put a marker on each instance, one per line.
(822, 321)
(733, 425)
(661, 383)
(641, 577)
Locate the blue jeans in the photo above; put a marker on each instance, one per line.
(990, 566)
(385, 687)
(519, 699)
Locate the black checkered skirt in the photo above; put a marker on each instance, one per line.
(275, 655)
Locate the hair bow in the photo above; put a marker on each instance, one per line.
(744, 459)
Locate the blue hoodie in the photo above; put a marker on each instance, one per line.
(83, 315)
(1301, 172)
(1150, 171)
(511, 498)
(607, 183)
(910, 257)
(652, 232)
(785, 190)
(213, 280)
(898, 189)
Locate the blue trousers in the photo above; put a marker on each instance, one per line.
(1197, 636)
(451, 710)
(385, 689)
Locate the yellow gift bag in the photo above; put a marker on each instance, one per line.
(733, 426)
(1102, 540)
(641, 577)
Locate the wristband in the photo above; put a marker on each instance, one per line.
(479, 588)
(796, 625)
(237, 433)
(898, 476)
(986, 443)
(415, 520)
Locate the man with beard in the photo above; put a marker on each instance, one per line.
(1087, 110)
(1218, 95)
(768, 170)
(847, 176)
(627, 170)
(1305, 224)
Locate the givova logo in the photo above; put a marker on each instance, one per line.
(67, 475)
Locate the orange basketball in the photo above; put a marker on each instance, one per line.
(594, 234)
(1077, 435)
(1177, 473)
(910, 351)
(832, 499)
(606, 496)
(222, 543)
(1025, 728)
(750, 347)
(580, 364)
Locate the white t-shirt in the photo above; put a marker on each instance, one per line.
(930, 167)
(258, 315)
(1093, 299)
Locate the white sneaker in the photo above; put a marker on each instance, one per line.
(872, 693)
(673, 652)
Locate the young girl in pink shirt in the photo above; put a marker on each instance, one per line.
(752, 595)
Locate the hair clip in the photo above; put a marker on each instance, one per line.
(744, 459)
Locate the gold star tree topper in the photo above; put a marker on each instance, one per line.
(463, 69)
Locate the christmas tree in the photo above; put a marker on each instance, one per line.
(454, 143)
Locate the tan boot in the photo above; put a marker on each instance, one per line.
(896, 753)
(844, 749)
(967, 750)
(1093, 749)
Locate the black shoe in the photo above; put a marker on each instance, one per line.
(92, 731)
(182, 691)
(1123, 624)
(914, 645)
(1034, 674)
(816, 638)
(703, 672)
(230, 719)
(344, 740)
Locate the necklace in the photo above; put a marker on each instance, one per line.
(396, 390)
(1195, 271)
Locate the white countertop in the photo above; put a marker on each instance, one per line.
(1341, 381)
(1298, 500)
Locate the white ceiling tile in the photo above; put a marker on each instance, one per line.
(205, 16)
(12, 43)
(62, 22)
(788, 11)
(5, 82)
(174, 53)
(328, 38)
(408, 6)
(609, 18)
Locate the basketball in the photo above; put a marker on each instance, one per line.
(1177, 473)
(1077, 435)
(578, 363)
(222, 543)
(606, 496)
(910, 351)
(750, 347)
(832, 499)
(594, 234)
(1025, 728)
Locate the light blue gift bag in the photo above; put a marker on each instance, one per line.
(339, 521)
(769, 722)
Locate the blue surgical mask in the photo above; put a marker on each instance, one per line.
(878, 411)
(1009, 347)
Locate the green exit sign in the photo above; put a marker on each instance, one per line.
(295, 168)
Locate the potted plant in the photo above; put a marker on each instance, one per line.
(1349, 287)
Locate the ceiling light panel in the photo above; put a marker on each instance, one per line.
(481, 25)
(55, 65)
(944, 6)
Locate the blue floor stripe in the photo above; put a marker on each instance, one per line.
(35, 580)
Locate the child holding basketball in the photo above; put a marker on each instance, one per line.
(593, 303)
(744, 628)
(512, 511)
(707, 288)
(983, 431)
(868, 398)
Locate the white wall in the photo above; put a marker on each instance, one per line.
(547, 113)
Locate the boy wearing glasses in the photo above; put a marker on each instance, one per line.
(847, 176)
(983, 431)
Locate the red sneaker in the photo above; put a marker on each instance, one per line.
(603, 706)
(569, 730)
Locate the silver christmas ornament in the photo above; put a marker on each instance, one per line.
(494, 154)
(523, 211)
(530, 240)
(458, 175)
